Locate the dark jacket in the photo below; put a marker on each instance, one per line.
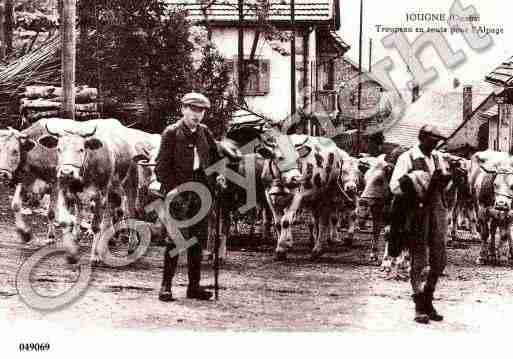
(176, 155)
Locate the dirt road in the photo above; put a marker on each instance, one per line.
(342, 292)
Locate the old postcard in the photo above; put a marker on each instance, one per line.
(255, 177)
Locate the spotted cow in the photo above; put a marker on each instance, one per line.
(316, 190)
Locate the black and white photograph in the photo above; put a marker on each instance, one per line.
(255, 177)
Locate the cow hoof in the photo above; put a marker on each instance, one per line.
(281, 256)
(25, 236)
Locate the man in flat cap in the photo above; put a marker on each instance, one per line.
(187, 149)
(419, 179)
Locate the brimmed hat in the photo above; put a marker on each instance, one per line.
(196, 99)
(432, 131)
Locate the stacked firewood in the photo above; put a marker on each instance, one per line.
(46, 101)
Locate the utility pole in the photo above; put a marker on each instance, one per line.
(359, 131)
(68, 16)
(240, 55)
(2, 31)
(293, 61)
(8, 25)
(370, 55)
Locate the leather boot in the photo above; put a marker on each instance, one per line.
(420, 311)
(194, 290)
(430, 310)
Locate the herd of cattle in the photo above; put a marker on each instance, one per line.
(105, 168)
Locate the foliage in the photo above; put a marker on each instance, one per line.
(142, 52)
(212, 79)
(135, 51)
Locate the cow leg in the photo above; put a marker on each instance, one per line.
(266, 222)
(377, 226)
(98, 225)
(51, 236)
(350, 214)
(223, 234)
(510, 242)
(67, 221)
(323, 218)
(130, 200)
(484, 233)
(504, 237)
(492, 254)
(285, 237)
(333, 230)
(22, 228)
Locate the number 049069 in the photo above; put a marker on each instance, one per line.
(34, 347)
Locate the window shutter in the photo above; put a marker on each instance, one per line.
(265, 77)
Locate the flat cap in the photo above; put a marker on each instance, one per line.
(431, 130)
(196, 99)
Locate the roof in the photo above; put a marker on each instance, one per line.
(339, 42)
(502, 75)
(227, 10)
(442, 109)
(366, 73)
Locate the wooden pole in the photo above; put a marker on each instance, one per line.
(370, 55)
(2, 31)
(8, 26)
(293, 61)
(240, 55)
(68, 17)
(359, 131)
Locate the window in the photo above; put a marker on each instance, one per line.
(258, 76)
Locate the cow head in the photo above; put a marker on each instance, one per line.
(72, 151)
(502, 186)
(377, 174)
(351, 176)
(14, 146)
(283, 156)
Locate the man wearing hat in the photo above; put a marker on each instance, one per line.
(187, 149)
(419, 178)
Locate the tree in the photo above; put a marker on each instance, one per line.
(141, 52)
(135, 51)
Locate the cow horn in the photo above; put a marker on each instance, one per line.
(487, 170)
(17, 133)
(89, 134)
(50, 132)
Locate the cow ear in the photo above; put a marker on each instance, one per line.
(303, 151)
(49, 141)
(140, 157)
(264, 152)
(27, 144)
(363, 166)
(93, 143)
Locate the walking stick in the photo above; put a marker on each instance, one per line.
(217, 244)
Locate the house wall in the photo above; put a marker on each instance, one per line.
(468, 135)
(276, 103)
(346, 75)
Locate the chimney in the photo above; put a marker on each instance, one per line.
(415, 93)
(467, 102)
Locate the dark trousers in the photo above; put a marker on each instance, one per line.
(428, 249)
(185, 206)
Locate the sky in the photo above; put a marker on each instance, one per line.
(493, 13)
